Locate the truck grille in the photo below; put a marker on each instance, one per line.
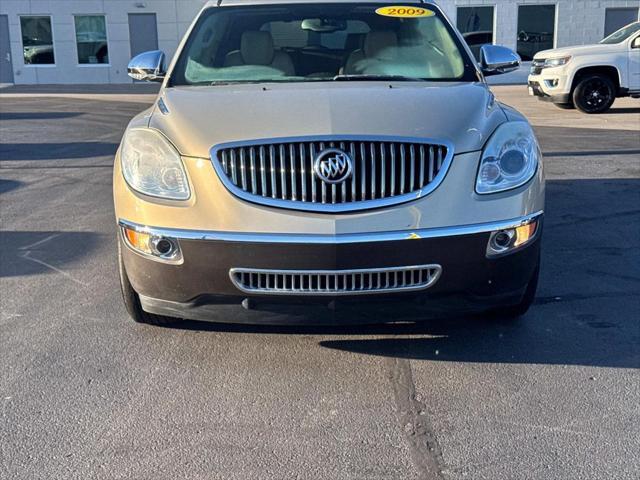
(536, 67)
(281, 172)
(335, 282)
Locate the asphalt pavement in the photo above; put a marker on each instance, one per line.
(86, 393)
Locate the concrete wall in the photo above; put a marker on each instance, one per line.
(578, 22)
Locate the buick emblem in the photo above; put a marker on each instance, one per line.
(333, 166)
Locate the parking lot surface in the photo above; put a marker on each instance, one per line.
(86, 393)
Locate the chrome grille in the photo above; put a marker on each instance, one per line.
(335, 282)
(536, 67)
(280, 172)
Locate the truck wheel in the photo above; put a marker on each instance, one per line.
(516, 311)
(594, 94)
(132, 301)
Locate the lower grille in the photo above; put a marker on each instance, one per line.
(335, 282)
(535, 86)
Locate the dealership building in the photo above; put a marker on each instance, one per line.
(91, 41)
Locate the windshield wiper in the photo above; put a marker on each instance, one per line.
(365, 77)
(337, 78)
(217, 83)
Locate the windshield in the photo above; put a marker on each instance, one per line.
(320, 42)
(622, 34)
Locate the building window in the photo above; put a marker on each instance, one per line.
(37, 41)
(91, 39)
(616, 18)
(476, 26)
(536, 26)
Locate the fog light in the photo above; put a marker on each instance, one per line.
(504, 241)
(154, 246)
(163, 246)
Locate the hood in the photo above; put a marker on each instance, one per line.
(200, 117)
(581, 50)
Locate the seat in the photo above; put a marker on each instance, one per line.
(379, 46)
(354, 41)
(256, 48)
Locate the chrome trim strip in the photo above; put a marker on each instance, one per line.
(329, 207)
(433, 274)
(340, 238)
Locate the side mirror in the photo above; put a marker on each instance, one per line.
(148, 66)
(495, 60)
(635, 43)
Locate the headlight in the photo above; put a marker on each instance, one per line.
(556, 62)
(509, 160)
(151, 165)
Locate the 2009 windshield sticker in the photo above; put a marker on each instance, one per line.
(404, 12)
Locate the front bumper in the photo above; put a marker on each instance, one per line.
(200, 286)
(541, 86)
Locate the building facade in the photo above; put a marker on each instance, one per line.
(91, 41)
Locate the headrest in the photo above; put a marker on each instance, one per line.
(256, 48)
(355, 41)
(376, 42)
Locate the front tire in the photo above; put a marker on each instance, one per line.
(594, 94)
(132, 300)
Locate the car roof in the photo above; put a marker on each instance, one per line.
(213, 3)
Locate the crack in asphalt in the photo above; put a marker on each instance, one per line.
(414, 421)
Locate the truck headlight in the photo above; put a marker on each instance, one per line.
(556, 62)
(510, 158)
(152, 166)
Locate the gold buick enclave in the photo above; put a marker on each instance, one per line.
(326, 162)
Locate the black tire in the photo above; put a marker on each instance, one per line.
(514, 312)
(565, 106)
(132, 301)
(594, 94)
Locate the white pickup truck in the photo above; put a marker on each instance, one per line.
(589, 77)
